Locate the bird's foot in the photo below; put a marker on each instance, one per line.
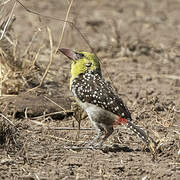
(94, 145)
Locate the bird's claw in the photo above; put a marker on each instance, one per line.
(94, 145)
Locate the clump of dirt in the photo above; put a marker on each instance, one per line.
(9, 136)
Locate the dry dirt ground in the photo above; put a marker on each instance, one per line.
(138, 43)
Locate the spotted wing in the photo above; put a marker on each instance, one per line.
(92, 88)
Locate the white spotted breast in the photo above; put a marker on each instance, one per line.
(92, 88)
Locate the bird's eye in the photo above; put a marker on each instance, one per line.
(79, 55)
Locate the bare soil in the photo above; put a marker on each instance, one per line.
(138, 43)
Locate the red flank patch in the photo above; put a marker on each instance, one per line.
(120, 121)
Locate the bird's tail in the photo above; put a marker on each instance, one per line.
(137, 130)
(140, 132)
(143, 135)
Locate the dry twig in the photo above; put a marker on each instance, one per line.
(10, 122)
(51, 56)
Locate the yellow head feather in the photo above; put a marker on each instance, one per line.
(88, 62)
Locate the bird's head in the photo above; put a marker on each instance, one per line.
(81, 62)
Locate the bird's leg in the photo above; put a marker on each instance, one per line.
(109, 130)
(99, 130)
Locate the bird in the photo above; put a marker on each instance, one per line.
(98, 99)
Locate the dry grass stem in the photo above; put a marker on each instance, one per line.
(9, 121)
(171, 77)
(37, 55)
(8, 39)
(0, 79)
(4, 2)
(59, 138)
(51, 56)
(64, 25)
(55, 103)
(8, 20)
(50, 114)
(67, 128)
(82, 147)
(50, 60)
(30, 43)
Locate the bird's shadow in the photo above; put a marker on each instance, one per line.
(116, 148)
(106, 149)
